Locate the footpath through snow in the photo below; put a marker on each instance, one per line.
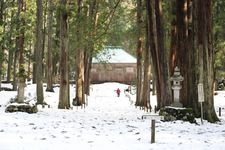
(108, 122)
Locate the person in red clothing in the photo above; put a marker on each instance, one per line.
(118, 92)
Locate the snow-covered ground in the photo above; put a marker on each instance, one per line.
(107, 123)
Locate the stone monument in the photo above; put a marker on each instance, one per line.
(176, 78)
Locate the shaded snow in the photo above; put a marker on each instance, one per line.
(107, 123)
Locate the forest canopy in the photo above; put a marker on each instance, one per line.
(53, 41)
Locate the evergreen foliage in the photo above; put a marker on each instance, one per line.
(95, 24)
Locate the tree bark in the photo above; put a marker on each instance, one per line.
(10, 62)
(64, 101)
(13, 54)
(20, 45)
(34, 74)
(1, 40)
(145, 97)
(151, 27)
(165, 88)
(139, 52)
(49, 52)
(179, 45)
(79, 99)
(173, 43)
(192, 61)
(158, 53)
(29, 53)
(92, 22)
(90, 45)
(39, 52)
(205, 56)
(16, 53)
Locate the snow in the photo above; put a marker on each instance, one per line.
(114, 55)
(107, 123)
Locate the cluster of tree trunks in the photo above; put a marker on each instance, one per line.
(191, 50)
(155, 50)
(52, 21)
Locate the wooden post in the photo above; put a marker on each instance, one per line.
(153, 131)
(220, 111)
(201, 113)
(153, 118)
(155, 108)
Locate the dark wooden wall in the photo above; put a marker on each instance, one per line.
(115, 72)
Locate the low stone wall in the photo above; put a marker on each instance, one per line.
(177, 113)
(23, 107)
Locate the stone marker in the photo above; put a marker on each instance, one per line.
(176, 78)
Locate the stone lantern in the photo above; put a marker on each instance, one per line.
(176, 78)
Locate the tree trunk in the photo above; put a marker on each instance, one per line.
(165, 88)
(34, 74)
(20, 46)
(145, 97)
(15, 68)
(64, 102)
(39, 52)
(139, 53)
(151, 25)
(29, 61)
(56, 54)
(92, 22)
(179, 45)
(159, 53)
(87, 62)
(192, 61)
(79, 99)
(205, 58)
(44, 36)
(10, 62)
(49, 53)
(14, 53)
(173, 44)
(1, 40)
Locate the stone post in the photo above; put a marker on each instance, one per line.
(176, 78)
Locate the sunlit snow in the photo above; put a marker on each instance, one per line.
(107, 123)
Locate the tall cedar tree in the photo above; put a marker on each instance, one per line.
(158, 52)
(205, 55)
(1, 40)
(92, 21)
(49, 50)
(180, 52)
(39, 52)
(20, 45)
(64, 101)
(79, 99)
(140, 41)
(10, 56)
(145, 97)
(165, 88)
